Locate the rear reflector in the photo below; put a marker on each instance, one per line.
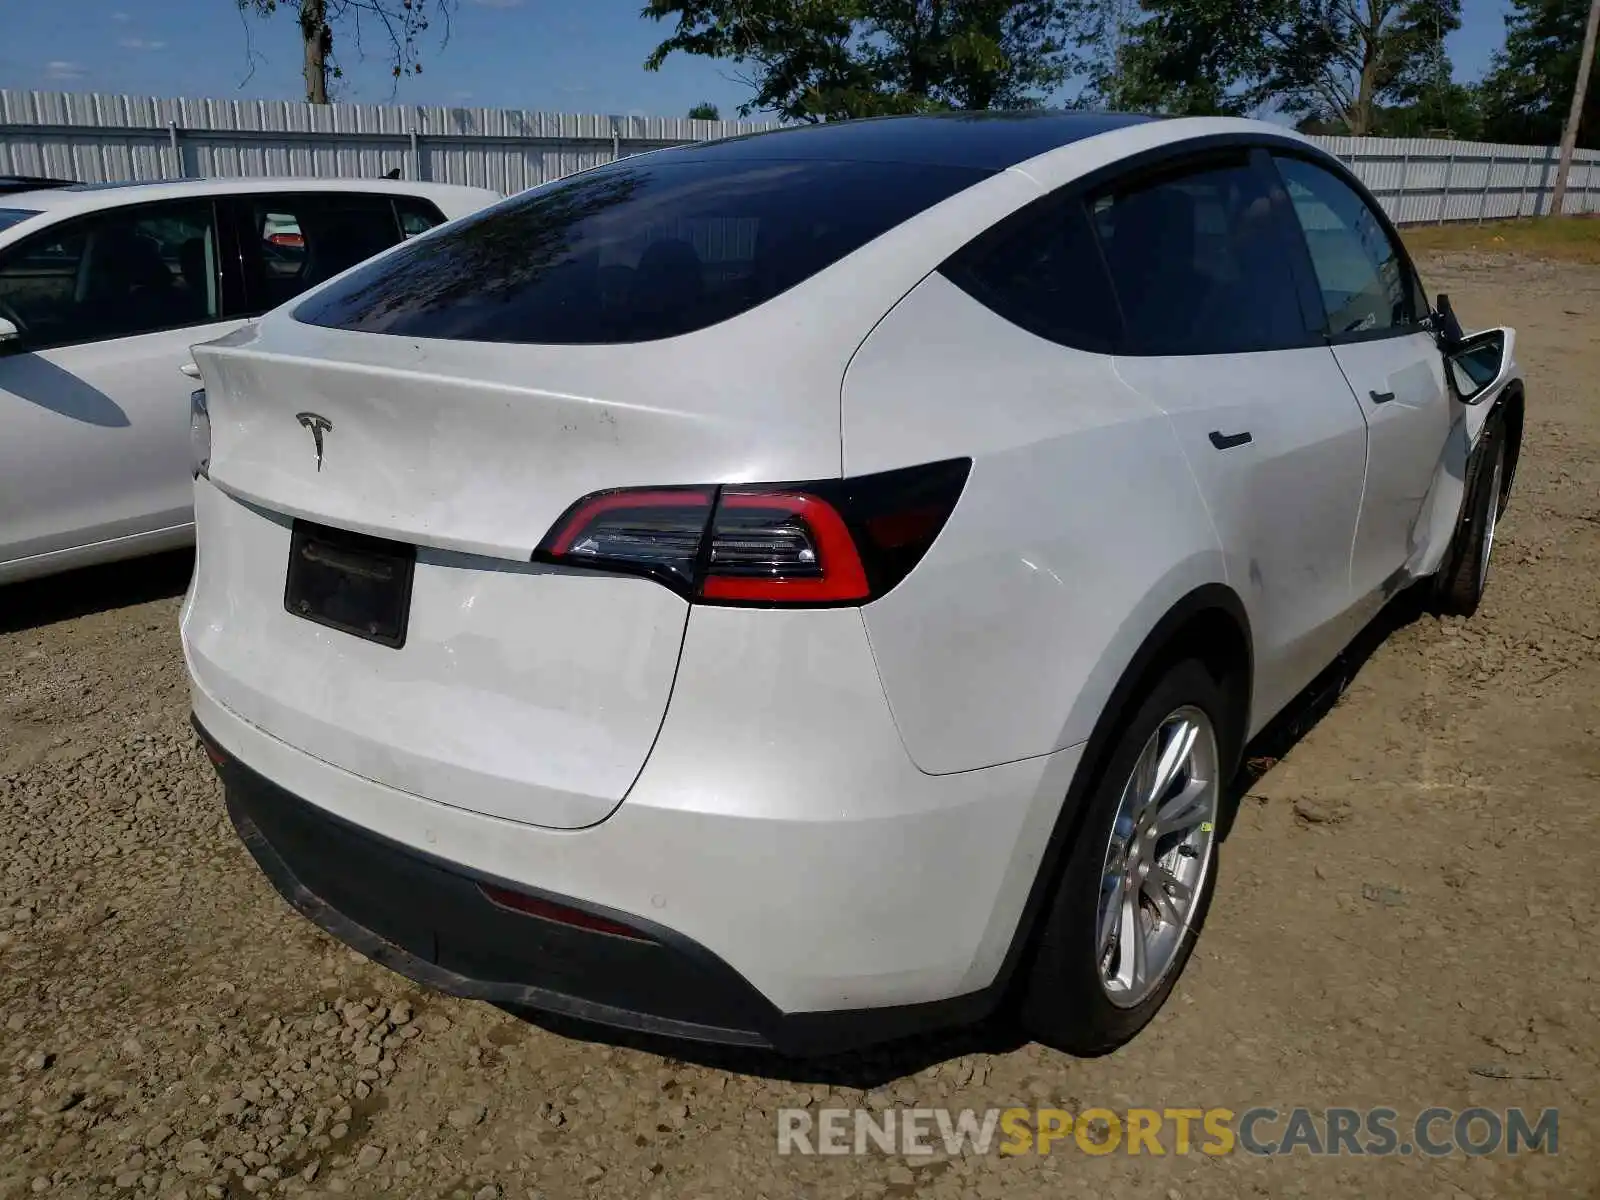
(831, 542)
(533, 906)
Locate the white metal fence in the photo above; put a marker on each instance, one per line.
(1428, 180)
(100, 138)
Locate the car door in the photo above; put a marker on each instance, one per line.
(1375, 313)
(94, 412)
(1219, 335)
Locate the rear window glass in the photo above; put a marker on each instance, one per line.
(10, 216)
(643, 249)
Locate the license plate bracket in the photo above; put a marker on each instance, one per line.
(351, 582)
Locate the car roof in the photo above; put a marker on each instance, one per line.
(990, 140)
(87, 197)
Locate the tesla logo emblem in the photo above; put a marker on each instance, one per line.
(318, 425)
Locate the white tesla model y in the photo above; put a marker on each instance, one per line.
(799, 589)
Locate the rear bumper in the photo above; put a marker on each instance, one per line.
(432, 921)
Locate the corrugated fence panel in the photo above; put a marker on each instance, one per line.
(1431, 180)
(99, 137)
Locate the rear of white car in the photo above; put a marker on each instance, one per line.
(601, 665)
(684, 596)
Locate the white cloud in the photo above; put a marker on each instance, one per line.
(61, 69)
(121, 18)
(137, 43)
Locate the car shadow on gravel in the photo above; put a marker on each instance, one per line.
(879, 1065)
(1303, 713)
(87, 590)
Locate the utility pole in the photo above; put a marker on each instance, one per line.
(1569, 136)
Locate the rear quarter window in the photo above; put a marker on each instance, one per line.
(1040, 269)
(416, 216)
(640, 250)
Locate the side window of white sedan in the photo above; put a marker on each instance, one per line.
(113, 274)
(294, 242)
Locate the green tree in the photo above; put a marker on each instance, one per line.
(1330, 62)
(815, 60)
(400, 23)
(1528, 91)
(704, 112)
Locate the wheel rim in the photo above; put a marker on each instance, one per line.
(1492, 518)
(1158, 857)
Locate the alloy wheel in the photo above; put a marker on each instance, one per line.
(1160, 851)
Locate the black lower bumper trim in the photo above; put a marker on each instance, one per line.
(430, 920)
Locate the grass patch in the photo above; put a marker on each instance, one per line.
(1568, 239)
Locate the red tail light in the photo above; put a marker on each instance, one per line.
(838, 541)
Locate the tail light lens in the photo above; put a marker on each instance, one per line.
(831, 542)
(651, 531)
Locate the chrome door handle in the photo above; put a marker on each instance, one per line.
(1227, 441)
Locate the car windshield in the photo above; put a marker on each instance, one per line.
(642, 249)
(10, 216)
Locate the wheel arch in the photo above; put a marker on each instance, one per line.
(1208, 623)
(1510, 406)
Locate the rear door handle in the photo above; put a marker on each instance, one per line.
(1381, 397)
(1227, 441)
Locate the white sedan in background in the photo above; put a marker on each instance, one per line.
(103, 289)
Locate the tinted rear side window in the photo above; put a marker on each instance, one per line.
(1041, 269)
(290, 243)
(1200, 263)
(643, 249)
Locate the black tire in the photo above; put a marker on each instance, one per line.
(1459, 585)
(1062, 1001)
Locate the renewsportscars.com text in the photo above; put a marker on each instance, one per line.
(1434, 1132)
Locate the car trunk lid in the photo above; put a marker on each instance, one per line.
(519, 690)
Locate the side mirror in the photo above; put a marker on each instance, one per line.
(1479, 364)
(10, 337)
(1445, 325)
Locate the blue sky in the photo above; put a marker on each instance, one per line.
(554, 55)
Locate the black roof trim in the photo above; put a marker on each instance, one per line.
(987, 141)
(11, 185)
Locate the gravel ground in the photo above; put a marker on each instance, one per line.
(1405, 917)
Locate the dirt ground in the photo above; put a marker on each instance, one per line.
(1405, 917)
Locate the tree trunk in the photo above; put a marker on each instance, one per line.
(1371, 33)
(1360, 120)
(318, 39)
(1569, 135)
